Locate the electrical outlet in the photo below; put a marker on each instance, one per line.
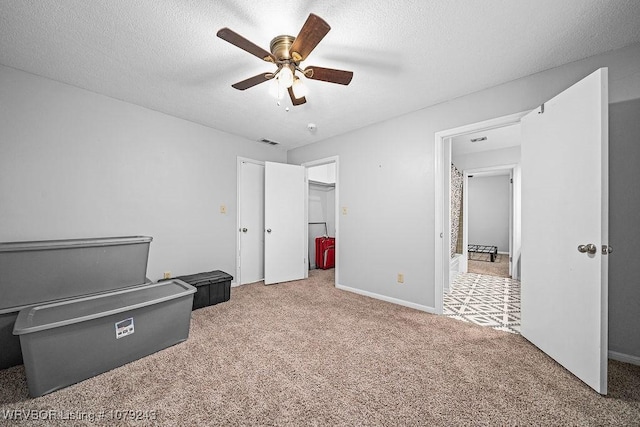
(223, 209)
(400, 278)
(167, 275)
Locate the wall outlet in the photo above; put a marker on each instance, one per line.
(223, 209)
(167, 275)
(400, 278)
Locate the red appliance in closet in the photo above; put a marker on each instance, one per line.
(325, 252)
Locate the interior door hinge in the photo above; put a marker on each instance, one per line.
(541, 109)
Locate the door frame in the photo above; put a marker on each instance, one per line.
(239, 161)
(442, 216)
(307, 165)
(513, 209)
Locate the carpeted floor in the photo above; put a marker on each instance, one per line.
(499, 268)
(305, 353)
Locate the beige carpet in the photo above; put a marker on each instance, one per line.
(305, 353)
(499, 268)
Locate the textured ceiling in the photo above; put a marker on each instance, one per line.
(405, 55)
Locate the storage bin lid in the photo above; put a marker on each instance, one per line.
(215, 276)
(48, 316)
(16, 309)
(71, 243)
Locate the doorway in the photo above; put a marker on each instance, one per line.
(488, 227)
(271, 222)
(483, 292)
(257, 218)
(481, 223)
(321, 203)
(443, 158)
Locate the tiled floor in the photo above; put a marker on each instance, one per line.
(485, 300)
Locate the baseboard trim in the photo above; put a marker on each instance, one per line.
(627, 358)
(392, 300)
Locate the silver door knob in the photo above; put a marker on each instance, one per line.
(606, 249)
(588, 248)
(268, 230)
(244, 230)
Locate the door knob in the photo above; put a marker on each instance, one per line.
(268, 230)
(589, 249)
(606, 249)
(244, 230)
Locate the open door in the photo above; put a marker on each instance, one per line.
(284, 222)
(565, 229)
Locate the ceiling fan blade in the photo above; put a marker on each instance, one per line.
(244, 44)
(252, 81)
(296, 101)
(313, 30)
(328, 75)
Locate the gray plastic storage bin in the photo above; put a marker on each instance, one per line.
(10, 353)
(67, 342)
(34, 272)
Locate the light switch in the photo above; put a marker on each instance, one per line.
(223, 209)
(344, 210)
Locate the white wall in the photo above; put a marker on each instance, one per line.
(76, 164)
(387, 175)
(488, 213)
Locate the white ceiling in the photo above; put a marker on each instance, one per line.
(498, 138)
(405, 55)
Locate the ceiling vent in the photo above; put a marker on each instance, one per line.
(482, 138)
(268, 141)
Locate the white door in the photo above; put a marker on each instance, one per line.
(251, 224)
(284, 222)
(564, 206)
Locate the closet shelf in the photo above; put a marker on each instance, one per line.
(322, 184)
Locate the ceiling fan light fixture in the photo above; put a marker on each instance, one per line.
(300, 90)
(285, 76)
(286, 53)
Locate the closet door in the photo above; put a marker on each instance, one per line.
(284, 222)
(251, 222)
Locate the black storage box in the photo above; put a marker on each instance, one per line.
(212, 287)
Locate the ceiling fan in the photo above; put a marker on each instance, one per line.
(286, 53)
